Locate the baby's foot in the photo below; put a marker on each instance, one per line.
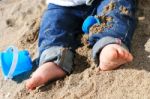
(43, 74)
(112, 56)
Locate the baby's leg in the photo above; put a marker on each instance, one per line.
(57, 32)
(111, 49)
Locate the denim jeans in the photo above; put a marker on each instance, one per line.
(60, 26)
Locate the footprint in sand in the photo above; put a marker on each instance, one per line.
(10, 22)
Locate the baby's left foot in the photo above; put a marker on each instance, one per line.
(112, 56)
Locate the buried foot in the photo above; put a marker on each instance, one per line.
(46, 72)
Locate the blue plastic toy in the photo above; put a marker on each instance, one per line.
(88, 22)
(14, 62)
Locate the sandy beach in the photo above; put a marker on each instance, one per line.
(19, 26)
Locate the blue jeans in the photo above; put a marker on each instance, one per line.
(61, 25)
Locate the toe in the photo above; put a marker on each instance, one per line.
(127, 56)
(32, 83)
(130, 57)
(29, 84)
(122, 53)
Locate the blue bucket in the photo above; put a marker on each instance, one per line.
(88, 22)
(14, 62)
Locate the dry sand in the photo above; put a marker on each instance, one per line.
(19, 25)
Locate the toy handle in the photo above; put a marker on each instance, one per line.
(14, 61)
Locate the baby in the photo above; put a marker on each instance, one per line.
(62, 22)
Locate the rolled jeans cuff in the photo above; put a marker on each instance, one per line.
(99, 45)
(63, 57)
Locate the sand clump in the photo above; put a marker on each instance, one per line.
(105, 21)
(124, 10)
(109, 7)
(104, 24)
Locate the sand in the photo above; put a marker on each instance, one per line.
(19, 25)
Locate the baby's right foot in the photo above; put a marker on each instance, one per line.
(43, 74)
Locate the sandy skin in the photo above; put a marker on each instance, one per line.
(111, 57)
(46, 72)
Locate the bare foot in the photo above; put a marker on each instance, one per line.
(112, 56)
(43, 74)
